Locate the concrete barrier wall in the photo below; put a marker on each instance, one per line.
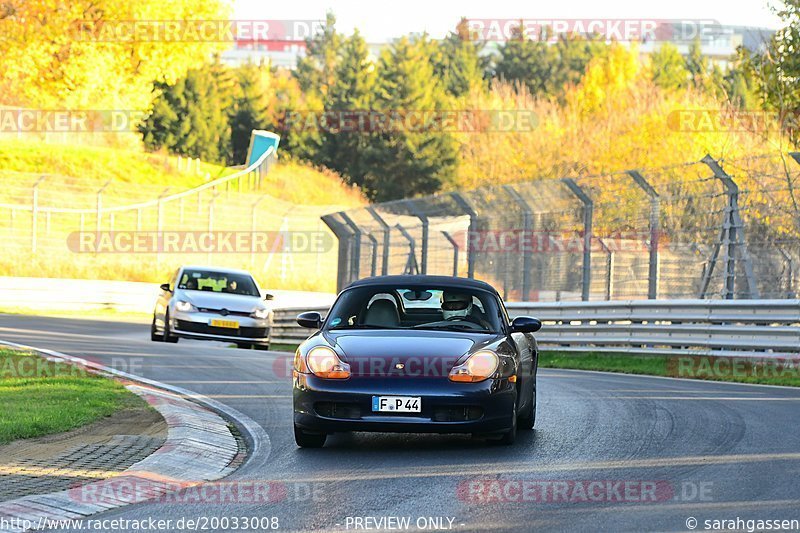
(50, 294)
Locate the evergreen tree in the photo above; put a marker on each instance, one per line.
(316, 70)
(250, 109)
(458, 61)
(352, 91)
(225, 82)
(546, 69)
(187, 119)
(408, 159)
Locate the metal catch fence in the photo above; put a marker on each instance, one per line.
(709, 229)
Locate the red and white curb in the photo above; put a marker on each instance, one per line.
(199, 448)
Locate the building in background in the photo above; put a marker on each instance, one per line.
(718, 43)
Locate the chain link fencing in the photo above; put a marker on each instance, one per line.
(45, 221)
(707, 229)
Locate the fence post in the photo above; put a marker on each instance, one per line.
(387, 235)
(527, 228)
(412, 206)
(374, 264)
(411, 263)
(473, 222)
(355, 263)
(211, 220)
(159, 211)
(655, 217)
(159, 238)
(35, 214)
(343, 235)
(453, 242)
(253, 229)
(99, 205)
(588, 213)
(731, 240)
(609, 269)
(789, 273)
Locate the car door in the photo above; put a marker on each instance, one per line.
(526, 348)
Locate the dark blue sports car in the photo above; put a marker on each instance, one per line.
(415, 354)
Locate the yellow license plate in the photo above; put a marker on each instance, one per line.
(230, 324)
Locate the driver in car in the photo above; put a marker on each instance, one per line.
(458, 306)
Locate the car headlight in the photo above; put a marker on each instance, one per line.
(260, 313)
(184, 306)
(479, 366)
(322, 362)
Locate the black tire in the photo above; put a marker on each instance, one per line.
(154, 336)
(528, 420)
(168, 337)
(309, 440)
(244, 345)
(508, 438)
(262, 347)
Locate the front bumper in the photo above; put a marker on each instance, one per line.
(198, 326)
(330, 406)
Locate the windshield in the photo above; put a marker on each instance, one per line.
(223, 282)
(416, 307)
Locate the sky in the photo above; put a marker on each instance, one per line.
(380, 21)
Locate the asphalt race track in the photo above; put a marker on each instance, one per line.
(713, 451)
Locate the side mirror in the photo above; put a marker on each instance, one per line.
(525, 324)
(165, 287)
(311, 320)
(268, 296)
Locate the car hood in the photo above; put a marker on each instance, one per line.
(221, 300)
(379, 352)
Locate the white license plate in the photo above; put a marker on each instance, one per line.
(396, 404)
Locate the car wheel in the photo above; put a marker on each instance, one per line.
(168, 337)
(244, 345)
(510, 436)
(263, 347)
(528, 420)
(309, 440)
(154, 336)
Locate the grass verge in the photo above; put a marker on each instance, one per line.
(764, 371)
(41, 397)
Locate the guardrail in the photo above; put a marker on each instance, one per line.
(719, 327)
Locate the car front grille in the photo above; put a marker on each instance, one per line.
(219, 312)
(199, 327)
(338, 410)
(457, 414)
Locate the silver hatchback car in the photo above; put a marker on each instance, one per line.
(211, 303)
